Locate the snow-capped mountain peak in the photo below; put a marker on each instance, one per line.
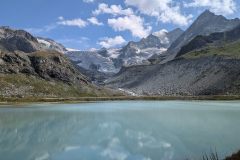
(134, 53)
(49, 44)
(72, 50)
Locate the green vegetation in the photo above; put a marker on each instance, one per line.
(78, 99)
(231, 50)
(20, 86)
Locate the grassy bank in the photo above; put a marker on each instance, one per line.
(6, 100)
(20, 85)
(230, 50)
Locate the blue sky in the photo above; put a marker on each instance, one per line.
(86, 24)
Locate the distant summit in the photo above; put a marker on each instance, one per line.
(205, 24)
(204, 60)
(20, 40)
(134, 53)
(34, 67)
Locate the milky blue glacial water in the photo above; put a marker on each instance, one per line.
(126, 130)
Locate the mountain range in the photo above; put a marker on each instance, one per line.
(202, 60)
(205, 24)
(34, 67)
(106, 62)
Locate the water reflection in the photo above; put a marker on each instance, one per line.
(119, 130)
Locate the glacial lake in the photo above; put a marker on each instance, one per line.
(126, 130)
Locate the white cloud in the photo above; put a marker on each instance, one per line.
(88, 1)
(75, 43)
(162, 34)
(133, 23)
(73, 22)
(113, 9)
(224, 7)
(80, 40)
(61, 18)
(44, 29)
(166, 11)
(112, 42)
(95, 21)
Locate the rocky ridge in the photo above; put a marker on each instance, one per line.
(206, 65)
(205, 24)
(25, 64)
(102, 64)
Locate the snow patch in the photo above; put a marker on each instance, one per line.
(128, 92)
(44, 42)
(72, 50)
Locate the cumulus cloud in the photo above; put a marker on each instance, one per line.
(61, 18)
(166, 11)
(80, 40)
(112, 42)
(88, 1)
(94, 21)
(73, 22)
(224, 7)
(44, 29)
(162, 34)
(133, 23)
(113, 9)
(127, 20)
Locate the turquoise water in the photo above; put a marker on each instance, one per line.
(136, 130)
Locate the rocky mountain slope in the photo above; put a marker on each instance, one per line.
(103, 63)
(217, 39)
(137, 53)
(98, 65)
(20, 40)
(161, 39)
(207, 65)
(202, 76)
(13, 40)
(28, 70)
(94, 60)
(49, 44)
(205, 24)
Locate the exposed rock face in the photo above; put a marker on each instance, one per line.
(213, 70)
(20, 55)
(12, 40)
(204, 76)
(47, 65)
(205, 24)
(103, 63)
(88, 59)
(173, 35)
(51, 45)
(26, 64)
(51, 69)
(19, 40)
(157, 40)
(137, 53)
(94, 75)
(214, 39)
